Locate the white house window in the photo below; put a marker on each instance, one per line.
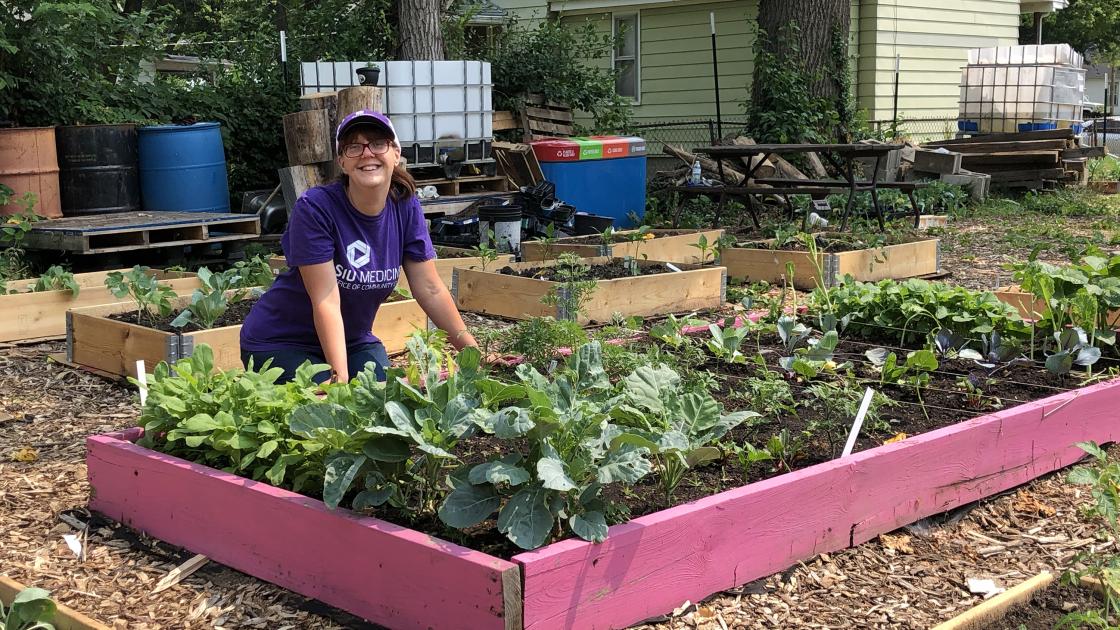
(626, 55)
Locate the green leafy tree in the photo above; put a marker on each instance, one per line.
(1090, 26)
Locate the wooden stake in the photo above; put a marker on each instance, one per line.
(996, 607)
(181, 572)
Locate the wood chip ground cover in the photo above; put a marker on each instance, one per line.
(913, 578)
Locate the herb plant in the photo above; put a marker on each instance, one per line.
(1102, 477)
(488, 253)
(706, 251)
(573, 290)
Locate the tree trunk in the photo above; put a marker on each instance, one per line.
(420, 29)
(816, 20)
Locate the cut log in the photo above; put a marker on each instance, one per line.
(773, 167)
(816, 165)
(730, 174)
(322, 100)
(296, 180)
(937, 162)
(352, 99)
(307, 135)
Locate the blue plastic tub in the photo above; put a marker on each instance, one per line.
(604, 175)
(183, 168)
(1041, 126)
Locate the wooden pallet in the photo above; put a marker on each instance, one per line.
(542, 118)
(104, 233)
(518, 163)
(466, 185)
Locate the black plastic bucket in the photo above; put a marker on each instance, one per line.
(98, 169)
(504, 220)
(588, 224)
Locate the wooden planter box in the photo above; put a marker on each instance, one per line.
(674, 249)
(1107, 188)
(645, 567)
(107, 345)
(445, 266)
(868, 265)
(65, 618)
(1028, 305)
(43, 314)
(693, 288)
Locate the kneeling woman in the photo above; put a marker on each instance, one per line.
(345, 245)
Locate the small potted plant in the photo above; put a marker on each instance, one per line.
(368, 75)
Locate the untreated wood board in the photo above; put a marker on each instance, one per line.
(693, 288)
(94, 340)
(379, 571)
(444, 266)
(1051, 134)
(769, 265)
(396, 321)
(891, 262)
(664, 247)
(650, 565)
(65, 618)
(43, 314)
(1005, 147)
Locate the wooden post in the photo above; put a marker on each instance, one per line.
(352, 99)
(307, 136)
(296, 180)
(322, 100)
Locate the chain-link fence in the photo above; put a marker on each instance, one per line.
(919, 129)
(686, 134)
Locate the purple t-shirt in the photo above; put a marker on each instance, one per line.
(367, 253)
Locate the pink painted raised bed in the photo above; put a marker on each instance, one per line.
(405, 579)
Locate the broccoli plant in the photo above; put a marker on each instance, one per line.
(678, 428)
(574, 451)
(141, 285)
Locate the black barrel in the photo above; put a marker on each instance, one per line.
(97, 169)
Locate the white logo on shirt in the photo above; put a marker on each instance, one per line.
(358, 254)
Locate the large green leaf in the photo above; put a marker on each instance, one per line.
(307, 420)
(627, 464)
(340, 473)
(702, 455)
(498, 472)
(554, 475)
(1083, 476)
(589, 526)
(468, 505)
(512, 422)
(372, 498)
(698, 412)
(525, 519)
(386, 448)
(643, 386)
(495, 393)
(587, 364)
(1093, 449)
(31, 606)
(402, 419)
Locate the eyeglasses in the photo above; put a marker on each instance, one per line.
(357, 149)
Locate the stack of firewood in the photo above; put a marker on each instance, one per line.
(309, 136)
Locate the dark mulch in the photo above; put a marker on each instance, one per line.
(610, 271)
(1046, 609)
(233, 316)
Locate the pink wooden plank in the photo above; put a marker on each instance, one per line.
(652, 564)
(383, 572)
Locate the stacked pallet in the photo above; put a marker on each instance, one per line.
(1029, 160)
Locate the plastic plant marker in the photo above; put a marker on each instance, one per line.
(858, 424)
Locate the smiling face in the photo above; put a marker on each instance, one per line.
(366, 170)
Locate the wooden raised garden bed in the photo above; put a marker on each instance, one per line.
(1107, 188)
(65, 618)
(1028, 305)
(456, 259)
(494, 293)
(906, 260)
(675, 246)
(95, 341)
(43, 314)
(645, 567)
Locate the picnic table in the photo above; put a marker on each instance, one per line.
(841, 157)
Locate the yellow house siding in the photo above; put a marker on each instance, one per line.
(933, 38)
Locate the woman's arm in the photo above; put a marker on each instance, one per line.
(326, 308)
(428, 289)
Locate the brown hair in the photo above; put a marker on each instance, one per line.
(403, 185)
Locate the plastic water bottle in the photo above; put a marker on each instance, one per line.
(694, 177)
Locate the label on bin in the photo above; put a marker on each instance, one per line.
(588, 148)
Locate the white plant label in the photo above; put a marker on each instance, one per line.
(143, 379)
(858, 424)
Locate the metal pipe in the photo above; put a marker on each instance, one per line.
(715, 75)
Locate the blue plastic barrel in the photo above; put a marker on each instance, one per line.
(183, 168)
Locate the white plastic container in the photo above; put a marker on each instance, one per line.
(1020, 88)
(434, 105)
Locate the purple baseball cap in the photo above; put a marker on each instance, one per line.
(365, 117)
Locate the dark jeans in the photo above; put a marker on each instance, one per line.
(357, 359)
